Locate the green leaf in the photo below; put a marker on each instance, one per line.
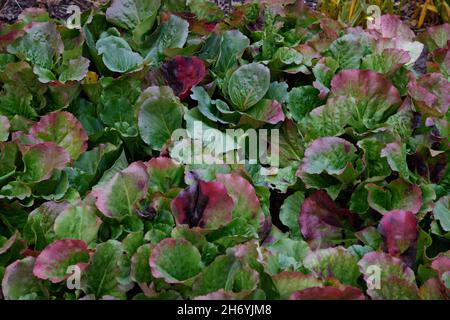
(248, 85)
(289, 282)
(215, 276)
(41, 160)
(140, 267)
(171, 34)
(117, 54)
(41, 45)
(136, 16)
(232, 46)
(160, 114)
(75, 70)
(334, 262)
(78, 222)
(4, 128)
(302, 100)
(103, 274)
(175, 260)
(290, 212)
(441, 212)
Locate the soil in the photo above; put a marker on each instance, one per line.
(10, 9)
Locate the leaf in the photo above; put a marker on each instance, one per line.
(137, 16)
(78, 222)
(218, 275)
(182, 74)
(117, 54)
(328, 293)
(441, 212)
(375, 98)
(302, 100)
(164, 174)
(41, 160)
(53, 261)
(140, 266)
(63, 129)
(121, 194)
(329, 155)
(20, 283)
(75, 70)
(4, 128)
(103, 273)
(41, 45)
(170, 34)
(203, 204)
(399, 228)
(232, 46)
(398, 194)
(335, 263)
(248, 85)
(290, 212)
(387, 62)
(117, 104)
(322, 222)
(430, 95)
(396, 280)
(246, 202)
(348, 51)
(395, 154)
(175, 260)
(160, 114)
(268, 111)
(38, 231)
(290, 282)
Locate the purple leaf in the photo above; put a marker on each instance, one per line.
(399, 229)
(322, 222)
(203, 204)
(182, 74)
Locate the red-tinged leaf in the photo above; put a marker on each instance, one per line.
(392, 26)
(432, 289)
(430, 94)
(436, 36)
(442, 267)
(365, 84)
(328, 293)
(289, 282)
(20, 283)
(53, 261)
(63, 129)
(120, 196)
(164, 174)
(397, 195)
(243, 194)
(322, 222)
(182, 74)
(203, 204)
(387, 277)
(42, 159)
(399, 229)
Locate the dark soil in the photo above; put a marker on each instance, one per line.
(11, 9)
